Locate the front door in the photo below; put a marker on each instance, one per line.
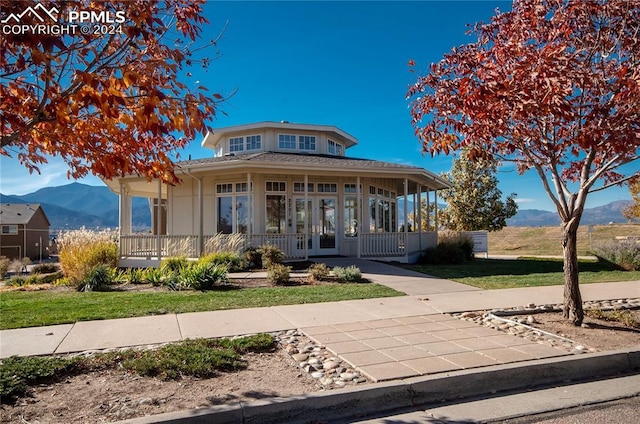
(321, 218)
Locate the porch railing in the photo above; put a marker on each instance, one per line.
(293, 245)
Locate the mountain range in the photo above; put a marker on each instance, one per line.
(76, 205)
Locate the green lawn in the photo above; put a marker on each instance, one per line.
(524, 272)
(30, 309)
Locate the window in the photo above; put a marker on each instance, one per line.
(254, 142)
(236, 144)
(299, 187)
(232, 208)
(350, 216)
(276, 186)
(382, 210)
(334, 148)
(327, 188)
(307, 142)
(276, 214)
(10, 229)
(351, 188)
(287, 141)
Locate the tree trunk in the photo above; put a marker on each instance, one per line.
(572, 309)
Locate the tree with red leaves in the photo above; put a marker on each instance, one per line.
(553, 85)
(105, 98)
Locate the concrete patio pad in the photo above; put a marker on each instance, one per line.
(33, 341)
(114, 333)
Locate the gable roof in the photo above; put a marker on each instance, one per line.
(19, 213)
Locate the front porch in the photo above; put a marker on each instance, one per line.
(146, 250)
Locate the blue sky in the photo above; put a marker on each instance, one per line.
(334, 63)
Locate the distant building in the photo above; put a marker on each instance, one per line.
(24, 231)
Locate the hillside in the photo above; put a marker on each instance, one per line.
(79, 205)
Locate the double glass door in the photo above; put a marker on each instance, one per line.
(320, 217)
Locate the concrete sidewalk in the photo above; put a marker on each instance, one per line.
(386, 338)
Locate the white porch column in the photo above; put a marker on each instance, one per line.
(158, 218)
(406, 218)
(428, 213)
(121, 208)
(359, 214)
(418, 222)
(200, 219)
(436, 223)
(249, 210)
(305, 208)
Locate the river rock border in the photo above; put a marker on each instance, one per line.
(523, 326)
(326, 368)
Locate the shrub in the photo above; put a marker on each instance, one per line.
(278, 274)
(349, 274)
(177, 263)
(45, 268)
(451, 249)
(231, 260)
(271, 255)
(17, 373)
(154, 276)
(318, 272)
(625, 254)
(15, 281)
(202, 276)
(100, 278)
(16, 266)
(82, 250)
(135, 275)
(225, 243)
(253, 257)
(4, 266)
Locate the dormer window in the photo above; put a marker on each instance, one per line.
(307, 142)
(236, 144)
(334, 148)
(254, 142)
(287, 141)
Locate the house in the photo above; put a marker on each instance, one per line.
(287, 184)
(24, 231)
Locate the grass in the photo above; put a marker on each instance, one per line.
(202, 358)
(30, 309)
(523, 241)
(524, 272)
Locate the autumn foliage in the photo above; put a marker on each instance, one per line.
(553, 85)
(108, 104)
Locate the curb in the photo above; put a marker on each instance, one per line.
(398, 394)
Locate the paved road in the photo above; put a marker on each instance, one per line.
(567, 402)
(617, 411)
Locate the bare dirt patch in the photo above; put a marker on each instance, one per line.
(595, 333)
(114, 395)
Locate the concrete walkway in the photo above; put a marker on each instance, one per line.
(386, 339)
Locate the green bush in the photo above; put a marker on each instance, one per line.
(253, 257)
(154, 276)
(100, 278)
(278, 274)
(202, 276)
(231, 260)
(318, 272)
(624, 254)
(45, 269)
(4, 266)
(450, 250)
(15, 281)
(177, 264)
(350, 274)
(18, 373)
(271, 255)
